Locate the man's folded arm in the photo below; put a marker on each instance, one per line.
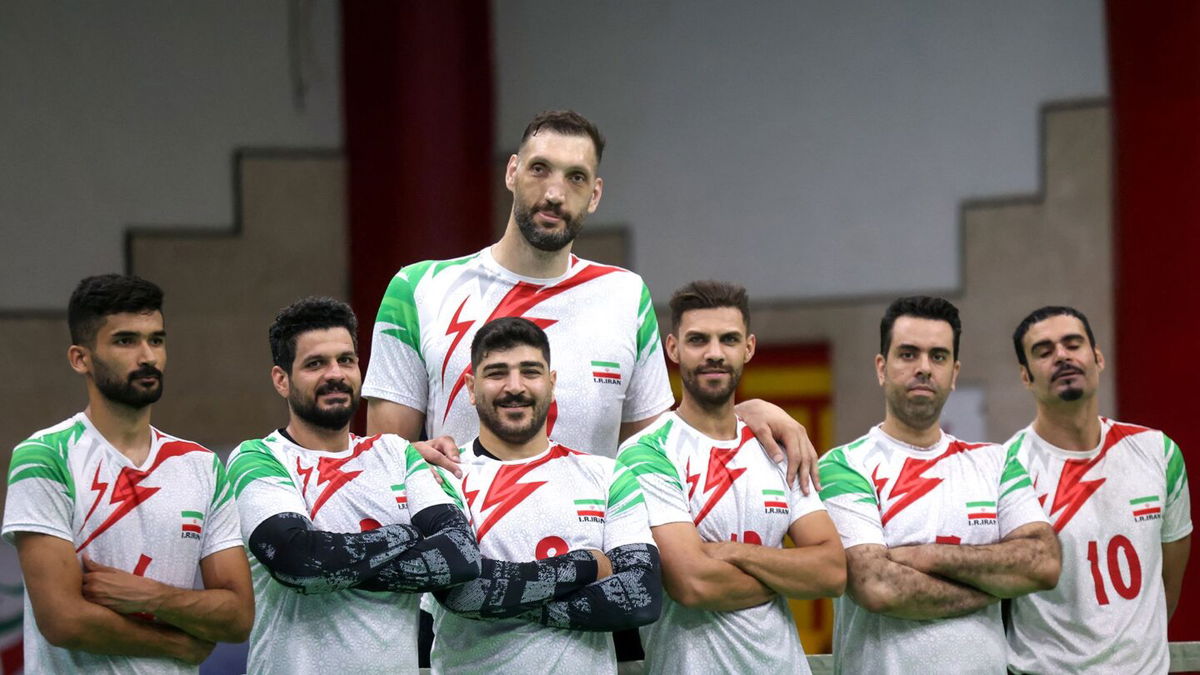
(446, 555)
(883, 586)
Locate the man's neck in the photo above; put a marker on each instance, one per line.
(126, 429)
(1070, 426)
(505, 451)
(903, 432)
(517, 256)
(312, 437)
(718, 422)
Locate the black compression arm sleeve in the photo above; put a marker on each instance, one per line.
(312, 561)
(631, 597)
(448, 555)
(506, 589)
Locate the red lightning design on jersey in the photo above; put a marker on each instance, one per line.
(910, 485)
(458, 329)
(1073, 491)
(693, 479)
(719, 477)
(520, 299)
(329, 472)
(506, 490)
(127, 494)
(306, 472)
(99, 487)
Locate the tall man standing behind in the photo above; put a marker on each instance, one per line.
(113, 518)
(719, 509)
(1117, 496)
(599, 318)
(936, 530)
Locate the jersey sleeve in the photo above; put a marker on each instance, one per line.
(800, 504)
(1177, 517)
(1017, 504)
(645, 462)
(262, 486)
(625, 517)
(851, 502)
(221, 527)
(396, 371)
(649, 391)
(41, 490)
(423, 490)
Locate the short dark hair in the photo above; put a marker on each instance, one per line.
(311, 313)
(97, 297)
(1041, 314)
(921, 307)
(505, 333)
(567, 123)
(708, 295)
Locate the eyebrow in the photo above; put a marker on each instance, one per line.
(534, 159)
(134, 333)
(506, 366)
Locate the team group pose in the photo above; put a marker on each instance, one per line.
(559, 498)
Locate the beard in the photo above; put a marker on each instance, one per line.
(124, 391)
(540, 238)
(916, 413)
(490, 416)
(333, 418)
(1071, 393)
(708, 397)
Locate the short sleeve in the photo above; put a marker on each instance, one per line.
(1177, 519)
(397, 371)
(851, 502)
(221, 527)
(1018, 504)
(649, 391)
(625, 517)
(800, 504)
(644, 461)
(422, 489)
(41, 490)
(261, 485)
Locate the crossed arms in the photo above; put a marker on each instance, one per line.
(935, 581)
(89, 608)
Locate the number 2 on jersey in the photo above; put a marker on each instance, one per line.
(1128, 590)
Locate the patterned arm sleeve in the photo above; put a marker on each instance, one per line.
(631, 597)
(1177, 521)
(505, 589)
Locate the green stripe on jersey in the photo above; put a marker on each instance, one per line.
(838, 478)
(46, 457)
(254, 461)
(415, 462)
(773, 493)
(647, 335)
(1176, 471)
(606, 364)
(192, 514)
(649, 456)
(222, 490)
(590, 501)
(972, 505)
(1143, 500)
(1014, 476)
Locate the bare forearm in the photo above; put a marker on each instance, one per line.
(216, 615)
(99, 630)
(716, 585)
(1005, 570)
(799, 572)
(896, 590)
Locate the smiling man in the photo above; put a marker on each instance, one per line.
(113, 519)
(1116, 494)
(936, 530)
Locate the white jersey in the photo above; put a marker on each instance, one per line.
(377, 481)
(603, 342)
(157, 520)
(881, 491)
(1113, 507)
(557, 501)
(731, 491)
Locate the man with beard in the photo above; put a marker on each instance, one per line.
(599, 318)
(1116, 494)
(567, 550)
(112, 518)
(344, 530)
(726, 572)
(936, 530)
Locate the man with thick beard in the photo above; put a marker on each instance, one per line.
(112, 518)
(1116, 494)
(937, 530)
(345, 531)
(566, 545)
(719, 509)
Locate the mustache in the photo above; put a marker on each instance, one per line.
(514, 399)
(145, 371)
(1066, 369)
(334, 387)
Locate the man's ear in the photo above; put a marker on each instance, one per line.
(751, 345)
(80, 359)
(880, 368)
(281, 381)
(469, 381)
(510, 173)
(671, 346)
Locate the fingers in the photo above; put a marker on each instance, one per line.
(440, 452)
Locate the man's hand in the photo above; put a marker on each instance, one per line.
(772, 426)
(442, 452)
(193, 650)
(912, 555)
(120, 591)
(719, 550)
(603, 564)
